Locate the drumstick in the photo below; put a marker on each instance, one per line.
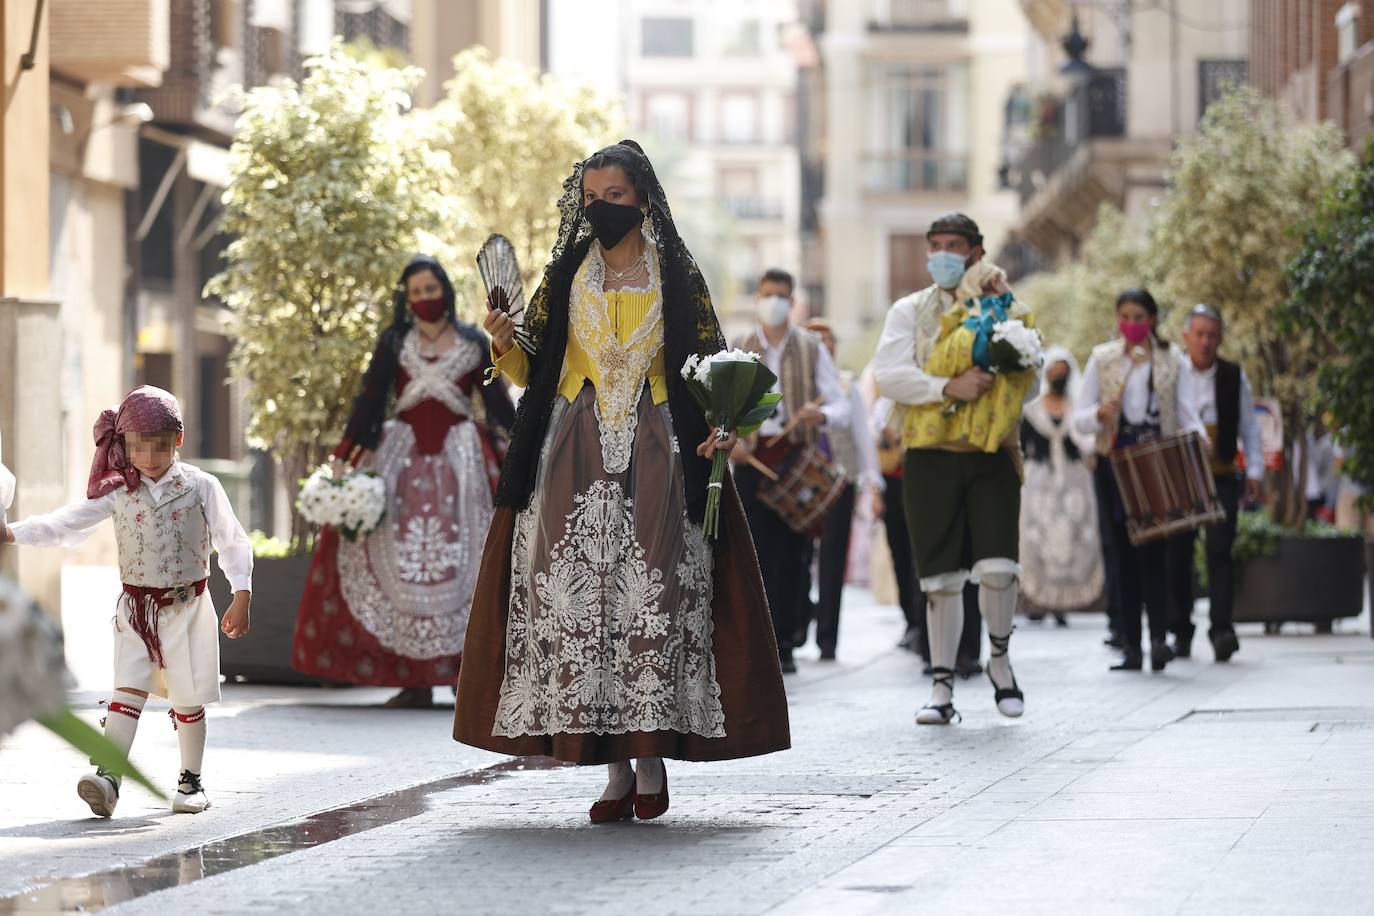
(762, 468)
(792, 424)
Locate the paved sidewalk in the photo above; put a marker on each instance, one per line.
(1238, 788)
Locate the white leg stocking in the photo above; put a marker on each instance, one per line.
(121, 721)
(621, 778)
(190, 727)
(945, 624)
(649, 775)
(997, 602)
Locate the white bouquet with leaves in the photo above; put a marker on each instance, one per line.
(353, 503)
(732, 389)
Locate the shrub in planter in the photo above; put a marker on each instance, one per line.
(1313, 574)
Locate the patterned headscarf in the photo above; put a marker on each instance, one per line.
(145, 410)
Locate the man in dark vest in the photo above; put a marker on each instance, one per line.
(812, 402)
(1226, 407)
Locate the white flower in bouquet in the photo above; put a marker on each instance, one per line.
(1025, 344)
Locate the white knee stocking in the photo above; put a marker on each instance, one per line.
(944, 624)
(190, 727)
(121, 719)
(997, 595)
(621, 777)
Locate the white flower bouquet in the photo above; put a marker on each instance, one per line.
(732, 388)
(1014, 347)
(353, 503)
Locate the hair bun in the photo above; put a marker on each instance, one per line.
(633, 145)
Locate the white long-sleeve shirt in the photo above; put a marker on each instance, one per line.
(834, 402)
(1135, 398)
(1204, 382)
(74, 523)
(908, 337)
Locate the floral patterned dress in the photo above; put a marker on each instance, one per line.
(391, 609)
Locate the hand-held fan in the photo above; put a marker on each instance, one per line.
(500, 271)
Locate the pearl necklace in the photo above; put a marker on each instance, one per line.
(640, 268)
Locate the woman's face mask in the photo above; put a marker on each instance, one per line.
(612, 222)
(773, 310)
(1135, 332)
(946, 268)
(428, 309)
(1059, 385)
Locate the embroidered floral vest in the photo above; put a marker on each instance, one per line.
(1113, 365)
(166, 543)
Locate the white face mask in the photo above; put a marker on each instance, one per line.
(773, 310)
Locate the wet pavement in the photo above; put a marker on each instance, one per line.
(99, 890)
(1240, 788)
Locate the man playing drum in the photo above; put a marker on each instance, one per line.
(962, 497)
(1224, 404)
(812, 400)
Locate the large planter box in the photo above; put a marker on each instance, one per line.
(1315, 580)
(264, 655)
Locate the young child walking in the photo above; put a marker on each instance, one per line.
(167, 516)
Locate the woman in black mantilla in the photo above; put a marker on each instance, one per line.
(605, 627)
(391, 609)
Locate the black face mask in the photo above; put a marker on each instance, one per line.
(1059, 385)
(612, 222)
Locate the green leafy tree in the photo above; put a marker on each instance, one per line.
(1074, 305)
(1331, 300)
(333, 187)
(1230, 222)
(514, 137)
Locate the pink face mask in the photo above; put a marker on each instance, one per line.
(1134, 331)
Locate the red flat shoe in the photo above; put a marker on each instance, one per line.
(610, 810)
(648, 807)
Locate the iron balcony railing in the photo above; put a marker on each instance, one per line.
(1096, 108)
(914, 170)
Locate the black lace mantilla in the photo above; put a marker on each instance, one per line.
(689, 327)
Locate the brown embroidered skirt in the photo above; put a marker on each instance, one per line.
(605, 626)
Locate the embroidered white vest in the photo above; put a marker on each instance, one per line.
(166, 543)
(1113, 365)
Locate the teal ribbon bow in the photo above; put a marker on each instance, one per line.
(994, 310)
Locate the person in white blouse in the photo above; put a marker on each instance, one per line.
(168, 515)
(1223, 402)
(1135, 389)
(812, 402)
(854, 450)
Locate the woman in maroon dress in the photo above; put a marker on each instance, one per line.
(391, 609)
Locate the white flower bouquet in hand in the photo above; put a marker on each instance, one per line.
(1014, 347)
(353, 503)
(732, 388)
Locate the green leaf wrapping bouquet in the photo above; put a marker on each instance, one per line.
(733, 388)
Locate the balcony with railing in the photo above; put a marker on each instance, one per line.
(749, 207)
(918, 16)
(1061, 127)
(914, 171)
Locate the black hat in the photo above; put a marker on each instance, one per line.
(956, 224)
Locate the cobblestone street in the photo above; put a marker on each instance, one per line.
(1240, 788)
